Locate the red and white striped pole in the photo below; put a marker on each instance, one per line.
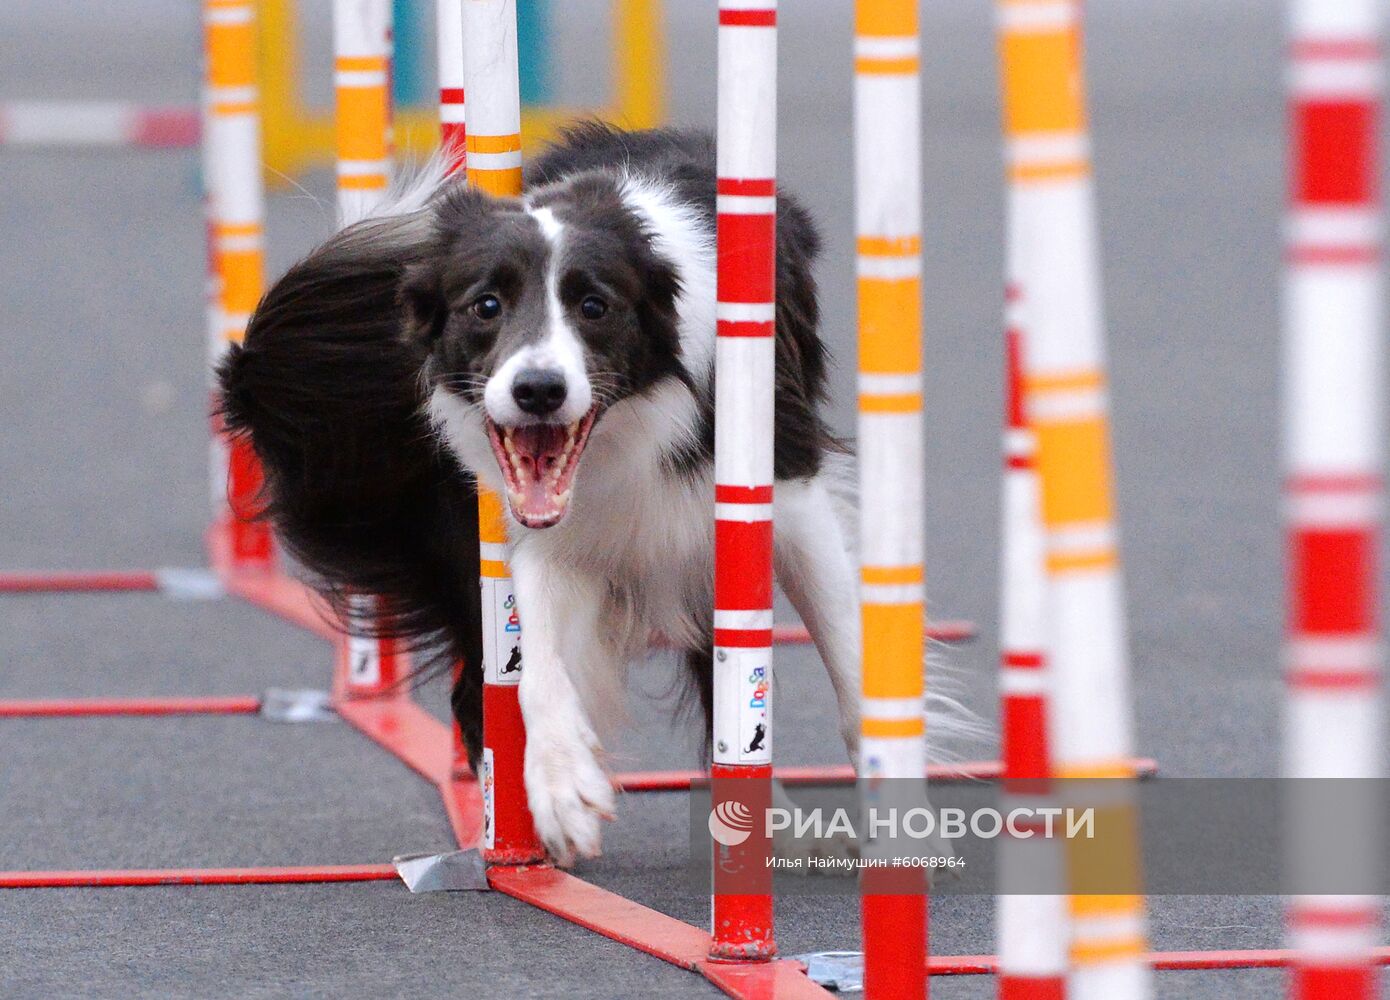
(743, 470)
(1333, 373)
(888, 213)
(236, 214)
(449, 54)
(452, 136)
(362, 113)
(1032, 927)
(494, 166)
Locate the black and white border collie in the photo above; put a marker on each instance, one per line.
(559, 348)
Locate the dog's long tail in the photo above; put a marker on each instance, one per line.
(358, 489)
(954, 731)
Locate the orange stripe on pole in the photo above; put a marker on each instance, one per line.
(1069, 170)
(891, 574)
(890, 326)
(870, 66)
(364, 115)
(503, 183)
(890, 728)
(889, 246)
(361, 64)
(493, 144)
(231, 53)
(1073, 463)
(895, 632)
(1042, 82)
(885, 19)
(241, 279)
(899, 403)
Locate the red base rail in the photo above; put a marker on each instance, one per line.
(69, 707)
(197, 876)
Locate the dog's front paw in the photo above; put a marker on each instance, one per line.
(569, 794)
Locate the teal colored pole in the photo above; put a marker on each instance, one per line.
(533, 49)
(411, 85)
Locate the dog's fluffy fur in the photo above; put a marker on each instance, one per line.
(560, 348)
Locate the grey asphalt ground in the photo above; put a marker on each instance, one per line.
(102, 456)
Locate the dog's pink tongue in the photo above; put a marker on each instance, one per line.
(541, 451)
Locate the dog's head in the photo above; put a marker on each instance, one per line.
(532, 317)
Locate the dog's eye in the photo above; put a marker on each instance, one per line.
(487, 307)
(593, 307)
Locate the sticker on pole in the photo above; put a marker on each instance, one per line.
(489, 805)
(742, 706)
(501, 642)
(364, 661)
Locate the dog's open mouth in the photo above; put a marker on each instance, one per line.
(538, 464)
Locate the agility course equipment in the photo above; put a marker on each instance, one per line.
(392, 719)
(1333, 490)
(888, 206)
(741, 769)
(493, 163)
(236, 224)
(299, 137)
(1056, 267)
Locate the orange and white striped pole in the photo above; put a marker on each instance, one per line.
(362, 115)
(741, 767)
(888, 197)
(236, 216)
(1032, 927)
(1053, 224)
(362, 85)
(1333, 491)
(452, 132)
(494, 166)
(449, 56)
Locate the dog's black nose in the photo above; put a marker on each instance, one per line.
(539, 390)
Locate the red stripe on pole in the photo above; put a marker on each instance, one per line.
(748, 18)
(1333, 484)
(1310, 915)
(1023, 661)
(1354, 982)
(747, 265)
(1333, 680)
(1333, 256)
(1014, 987)
(894, 966)
(451, 95)
(1337, 139)
(1333, 590)
(742, 494)
(744, 638)
(1351, 49)
(741, 578)
(1013, 385)
(744, 328)
(1025, 750)
(748, 186)
(504, 733)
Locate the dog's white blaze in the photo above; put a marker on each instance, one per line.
(560, 349)
(682, 238)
